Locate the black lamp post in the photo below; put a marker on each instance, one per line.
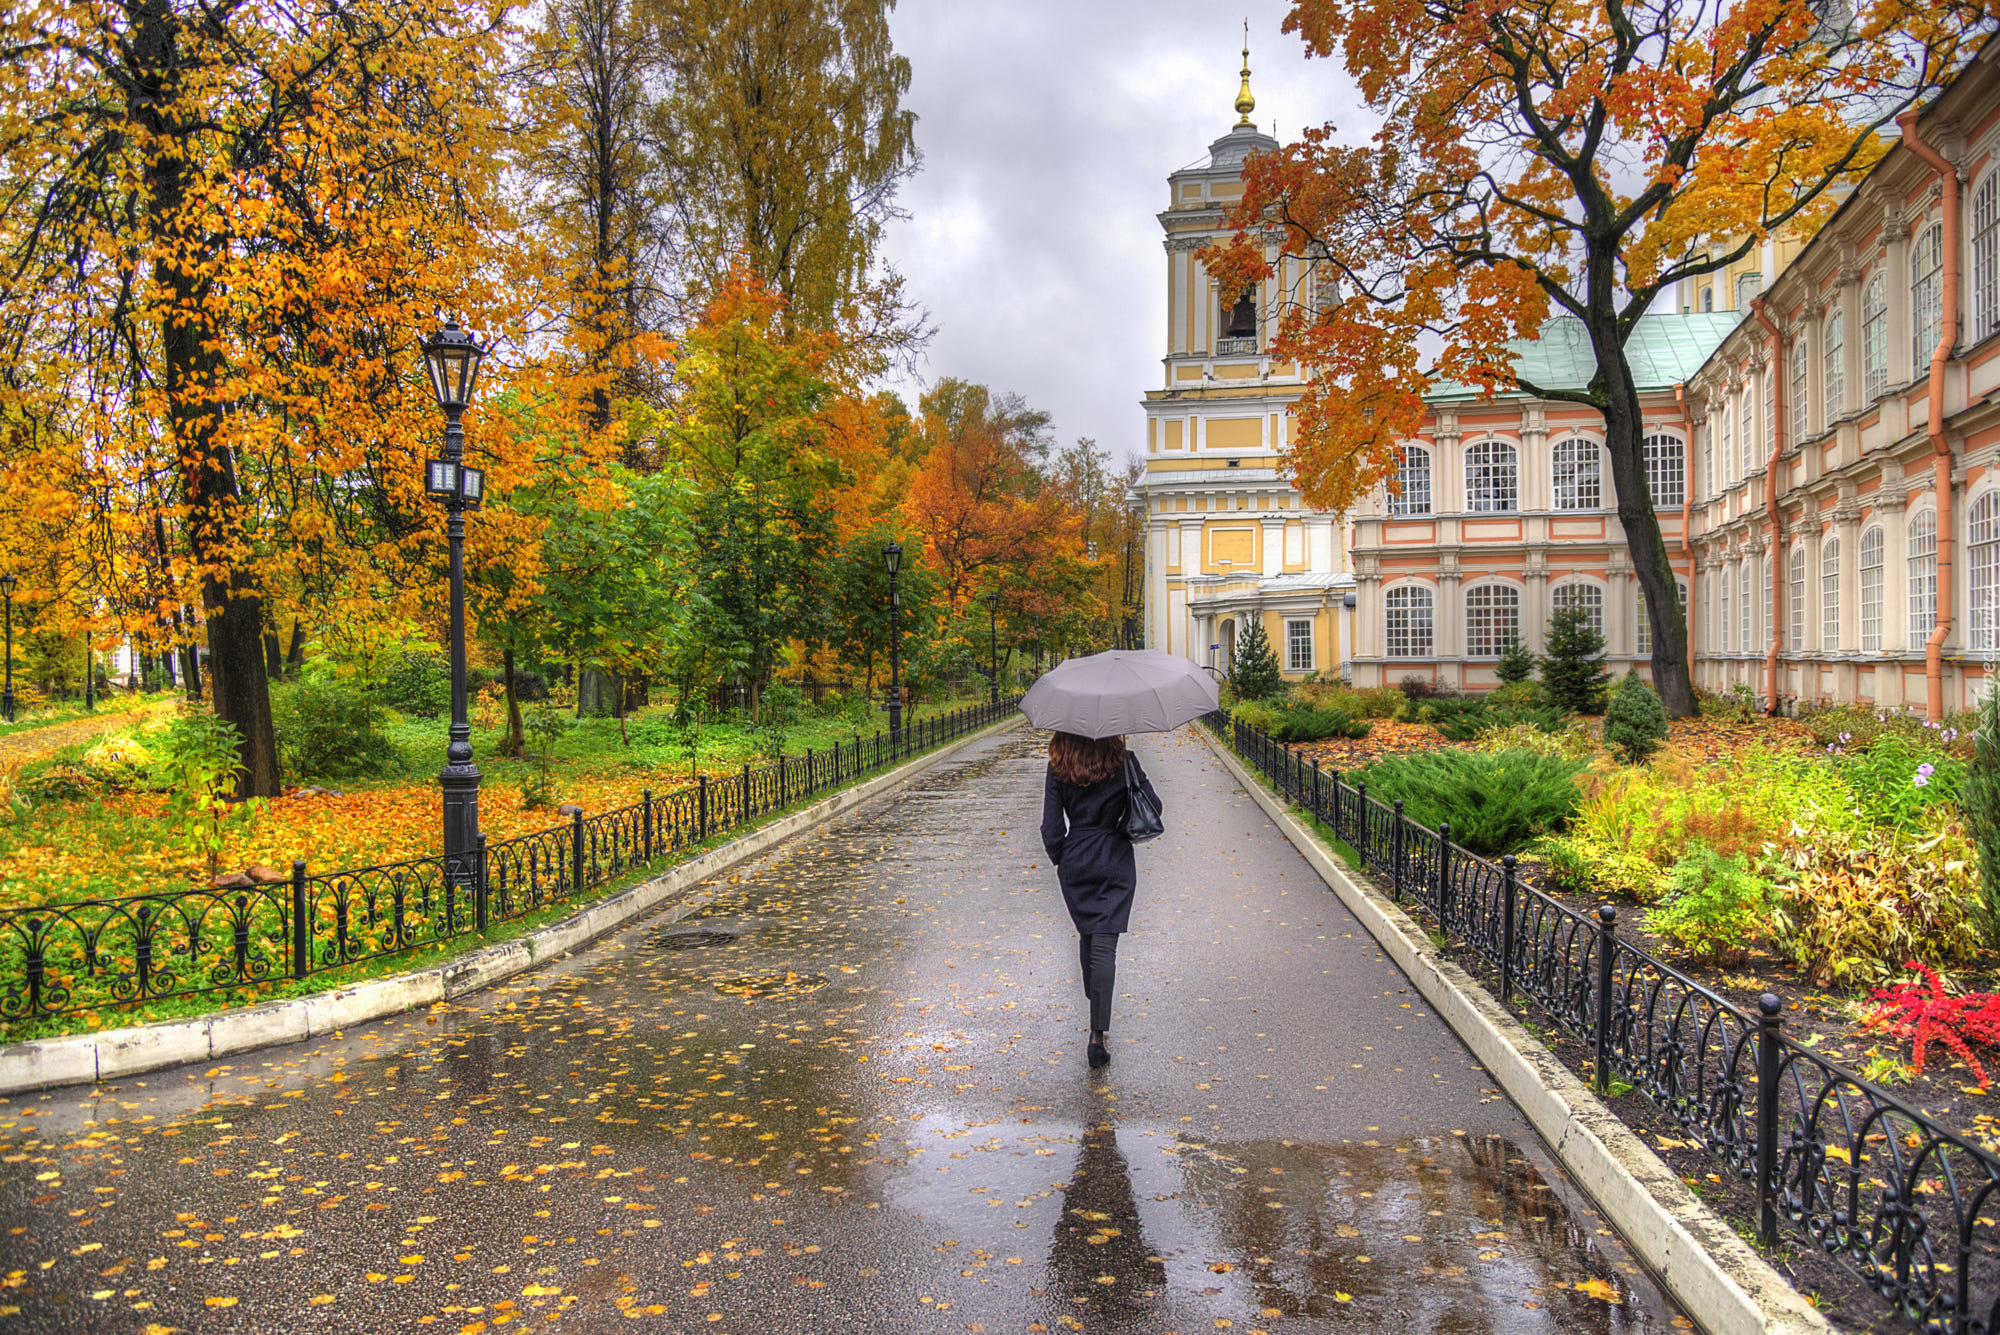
(7, 697)
(892, 557)
(452, 357)
(993, 647)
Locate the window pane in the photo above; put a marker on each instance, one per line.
(1414, 475)
(1490, 477)
(1796, 403)
(1829, 595)
(1492, 618)
(1986, 256)
(1577, 482)
(1922, 549)
(1578, 594)
(1407, 629)
(1874, 341)
(1983, 565)
(1831, 371)
(1665, 470)
(1298, 646)
(1871, 589)
(1926, 295)
(1726, 640)
(1797, 593)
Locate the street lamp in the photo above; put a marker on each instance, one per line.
(892, 557)
(452, 358)
(993, 647)
(7, 697)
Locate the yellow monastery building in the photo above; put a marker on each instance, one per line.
(1228, 538)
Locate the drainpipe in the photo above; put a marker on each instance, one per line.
(1687, 510)
(1778, 585)
(1947, 533)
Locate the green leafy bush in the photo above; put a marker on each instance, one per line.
(1573, 668)
(1379, 702)
(1514, 693)
(1255, 714)
(1636, 722)
(1714, 904)
(1897, 779)
(1571, 742)
(418, 683)
(332, 730)
(1979, 799)
(1256, 675)
(1496, 801)
(199, 761)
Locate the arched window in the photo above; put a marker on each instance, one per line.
(1579, 483)
(1795, 402)
(1986, 257)
(1490, 477)
(1874, 341)
(1766, 387)
(1708, 478)
(1726, 634)
(1406, 631)
(1579, 594)
(1797, 594)
(1829, 595)
(1921, 546)
(1747, 428)
(1666, 470)
(1643, 641)
(1727, 430)
(1872, 562)
(1707, 300)
(1982, 561)
(1492, 618)
(1833, 347)
(1746, 628)
(1926, 295)
(1413, 477)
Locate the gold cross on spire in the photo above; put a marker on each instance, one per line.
(1245, 103)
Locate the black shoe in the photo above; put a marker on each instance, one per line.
(1099, 1056)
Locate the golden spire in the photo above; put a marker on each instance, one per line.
(1245, 103)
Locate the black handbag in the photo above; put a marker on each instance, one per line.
(1142, 814)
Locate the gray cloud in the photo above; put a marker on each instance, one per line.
(1048, 131)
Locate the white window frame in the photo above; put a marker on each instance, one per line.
(1492, 478)
(1708, 478)
(1665, 455)
(1413, 476)
(1486, 606)
(1985, 229)
(1829, 595)
(1833, 377)
(1416, 636)
(1767, 385)
(1642, 639)
(1874, 570)
(1293, 661)
(1744, 605)
(1801, 391)
(1576, 467)
(1926, 294)
(1982, 566)
(1724, 642)
(1796, 613)
(1728, 433)
(1874, 341)
(1920, 556)
(1748, 419)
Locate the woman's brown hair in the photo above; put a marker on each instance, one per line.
(1083, 761)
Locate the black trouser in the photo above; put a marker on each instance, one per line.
(1098, 953)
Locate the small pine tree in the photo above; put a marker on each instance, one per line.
(1636, 722)
(1572, 669)
(1979, 799)
(1256, 676)
(1517, 662)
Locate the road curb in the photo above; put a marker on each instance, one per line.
(115, 1053)
(1722, 1284)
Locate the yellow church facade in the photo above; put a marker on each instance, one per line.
(1228, 539)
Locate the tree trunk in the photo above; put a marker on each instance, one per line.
(192, 366)
(190, 666)
(516, 742)
(1624, 437)
(274, 657)
(596, 694)
(295, 653)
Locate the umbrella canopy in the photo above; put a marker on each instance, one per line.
(1121, 691)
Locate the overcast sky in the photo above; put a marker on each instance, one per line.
(1048, 129)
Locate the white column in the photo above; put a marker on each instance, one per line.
(1274, 546)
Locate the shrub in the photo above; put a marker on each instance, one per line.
(1517, 663)
(1573, 669)
(1515, 693)
(1542, 718)
(1308, 724)
(331, 730)
(1379, 702)
(1571, 742)
(530, 686)
(1496, 801)
(1929, 1014)
(199, 762)
(419, 683)
(1636, 722)
(1256, 714)
(1714, 904)
(1415, 687)
(1979, 799)
(1851, 902)
(1897, 779)
(1256, 675)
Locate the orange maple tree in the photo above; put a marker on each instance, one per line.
(1567, 156)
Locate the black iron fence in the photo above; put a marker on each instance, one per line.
(1905, 1203)
(61, 958)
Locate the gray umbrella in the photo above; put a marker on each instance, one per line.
(1118, 692)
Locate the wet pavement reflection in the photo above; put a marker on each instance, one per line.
(849, 1094)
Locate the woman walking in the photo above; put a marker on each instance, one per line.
(1083, 818)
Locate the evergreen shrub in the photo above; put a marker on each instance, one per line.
(1257, 676)
(1979, 800)
(1636, 722)
(418, 683)
(1517, 663)
(1496, 801)
(1573, 668)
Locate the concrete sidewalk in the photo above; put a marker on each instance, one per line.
(851, 1095)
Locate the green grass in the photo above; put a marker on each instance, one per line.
(53, 715)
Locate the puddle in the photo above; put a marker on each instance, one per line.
(693, 939)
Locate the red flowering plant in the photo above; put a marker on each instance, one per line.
(1925, 1013)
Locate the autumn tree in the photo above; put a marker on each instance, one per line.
(1566, 156)
(225, 226)
(784, 138)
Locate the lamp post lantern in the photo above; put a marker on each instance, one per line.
(7, 697)
(993, 647)
(892, 557)
(452, 357)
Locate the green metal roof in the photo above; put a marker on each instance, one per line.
(1664, 350)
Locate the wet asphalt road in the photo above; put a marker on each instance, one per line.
(850, 1095)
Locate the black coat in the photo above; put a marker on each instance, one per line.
(1083, 831)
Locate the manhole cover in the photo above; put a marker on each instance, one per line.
(785, 984)
(690, 940)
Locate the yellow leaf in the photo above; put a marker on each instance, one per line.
(219, 1302)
